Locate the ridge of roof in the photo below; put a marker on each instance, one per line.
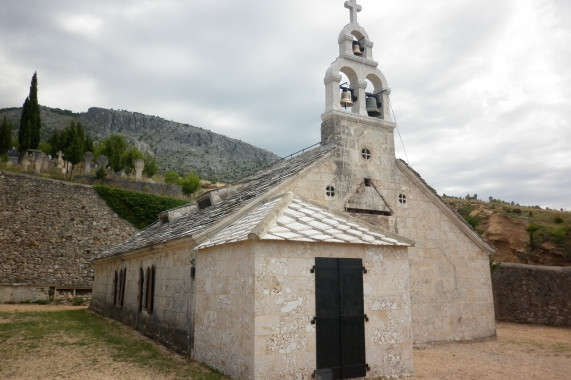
(251, 187)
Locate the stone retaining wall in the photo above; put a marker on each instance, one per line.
(159, 189)
(50, 230)
(23, 293)
(533, 294)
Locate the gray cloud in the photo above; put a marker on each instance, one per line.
(479, 88)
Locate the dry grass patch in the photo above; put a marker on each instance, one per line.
(79, 344)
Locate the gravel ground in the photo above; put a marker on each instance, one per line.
(520, 352)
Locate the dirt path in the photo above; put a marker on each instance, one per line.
(24, 307)
(520, 352)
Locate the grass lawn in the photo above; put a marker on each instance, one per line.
(32, 345)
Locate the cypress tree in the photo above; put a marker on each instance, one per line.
(35, 113)
(30, 122)
(5, 136)
(74, 144)
(75, 139)
(24, 134)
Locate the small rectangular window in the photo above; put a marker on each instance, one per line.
(141, 290)
(204, 203)
(119, 280)
(149, 289)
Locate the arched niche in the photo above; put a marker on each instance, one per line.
(375, 87)
(361, 41)
(349, 75)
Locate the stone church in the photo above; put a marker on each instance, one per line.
(331, 264)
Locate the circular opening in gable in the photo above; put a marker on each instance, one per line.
(330, 191)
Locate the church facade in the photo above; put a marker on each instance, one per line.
(330, 264)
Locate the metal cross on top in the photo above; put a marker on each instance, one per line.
(354, 8)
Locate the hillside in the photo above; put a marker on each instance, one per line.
(527, 235)
(176, 146)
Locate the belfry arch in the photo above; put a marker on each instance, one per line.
(356, 62)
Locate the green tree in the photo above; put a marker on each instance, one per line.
(151, 167)
(75, 143)
(57, 142)
(172, 178)
(189, 184)
(24, 133)
(30, 122)
(5, 136)
(129, 158)
(72, 141)
(114, 148)
(45, 147)
(89, 145)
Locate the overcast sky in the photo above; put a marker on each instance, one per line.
(481, 89)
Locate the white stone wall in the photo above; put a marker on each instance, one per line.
(173, 295)
(278, 341)
(224, 322)
(450, 278)
(451, 288)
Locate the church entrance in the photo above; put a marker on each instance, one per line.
(340, 318)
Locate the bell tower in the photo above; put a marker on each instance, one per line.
(366, 85)
(357, 120)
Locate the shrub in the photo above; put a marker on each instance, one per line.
(189, 184)
(494, 265)
(558, 220)
(42, 302)
(138, 209)
(558, 234)
(101, 173)
(473, 220)
(172, 178)
(531, 229)
(77, 301)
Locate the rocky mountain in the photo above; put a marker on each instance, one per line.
(526, 235)
(176, 146)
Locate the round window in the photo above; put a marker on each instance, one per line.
(366, 154)
(330, 191)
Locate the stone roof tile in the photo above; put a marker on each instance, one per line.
(298, 227)
(282, 227)
(250, 188)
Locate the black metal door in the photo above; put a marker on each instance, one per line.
(340, 318)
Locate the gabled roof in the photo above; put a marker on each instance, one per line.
(290, 218)
(196, 221)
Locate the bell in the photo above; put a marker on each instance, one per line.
(357, 49)
(346, 100)
(372, 107)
